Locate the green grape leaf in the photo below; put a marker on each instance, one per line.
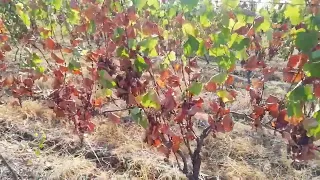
(312, 69)
(122, 52)
(190, 4)
(219, 51)
(190, 46)
(149, 43)
(312, 125)
(231, 3)
(306, 41)
(202, 49)
(264, 26)
(57, 4)
(169, 58)
(315, 56)
(205, 22)
(74, 65)
(172, 12)
(106, 80)
(151, 100)
(140, 64)
(301, 93)
(73, 17)
(219, 78)
(139, 4)
(154, 3)
(36, 59)
(225, 96)
(196, 88)
(24, 17)
(137, 115)
(294, 109)
(92, 27)
(188, 29)
(293, 13)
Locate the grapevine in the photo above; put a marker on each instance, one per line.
(146, 53)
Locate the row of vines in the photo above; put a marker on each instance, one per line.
(146, 53)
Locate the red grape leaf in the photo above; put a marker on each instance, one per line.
(297, 61)
(50, 44)
(258, 110)
(176, 140)
(291, 76)
(229, 80)
(227, 123)
(57, 59)
(251, 63)
(316, 90)
(211, 86)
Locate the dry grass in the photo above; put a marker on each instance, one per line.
(241, 154)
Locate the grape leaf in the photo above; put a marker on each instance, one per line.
(219, 78)
(57, 4)
(190, 46)
(312, 69)
(301, 93)
(140, 64)
(154, 3)
(137, 115)
(306, 40)
(148, 44)
(188, 29)
(225, 96)
(231, 3)
(151, 100)
(74, 65)
(294, 109)
(196, 88)
(139, 3)
(293, 13)
(315, 56)
(190, 4)
(205, 22)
